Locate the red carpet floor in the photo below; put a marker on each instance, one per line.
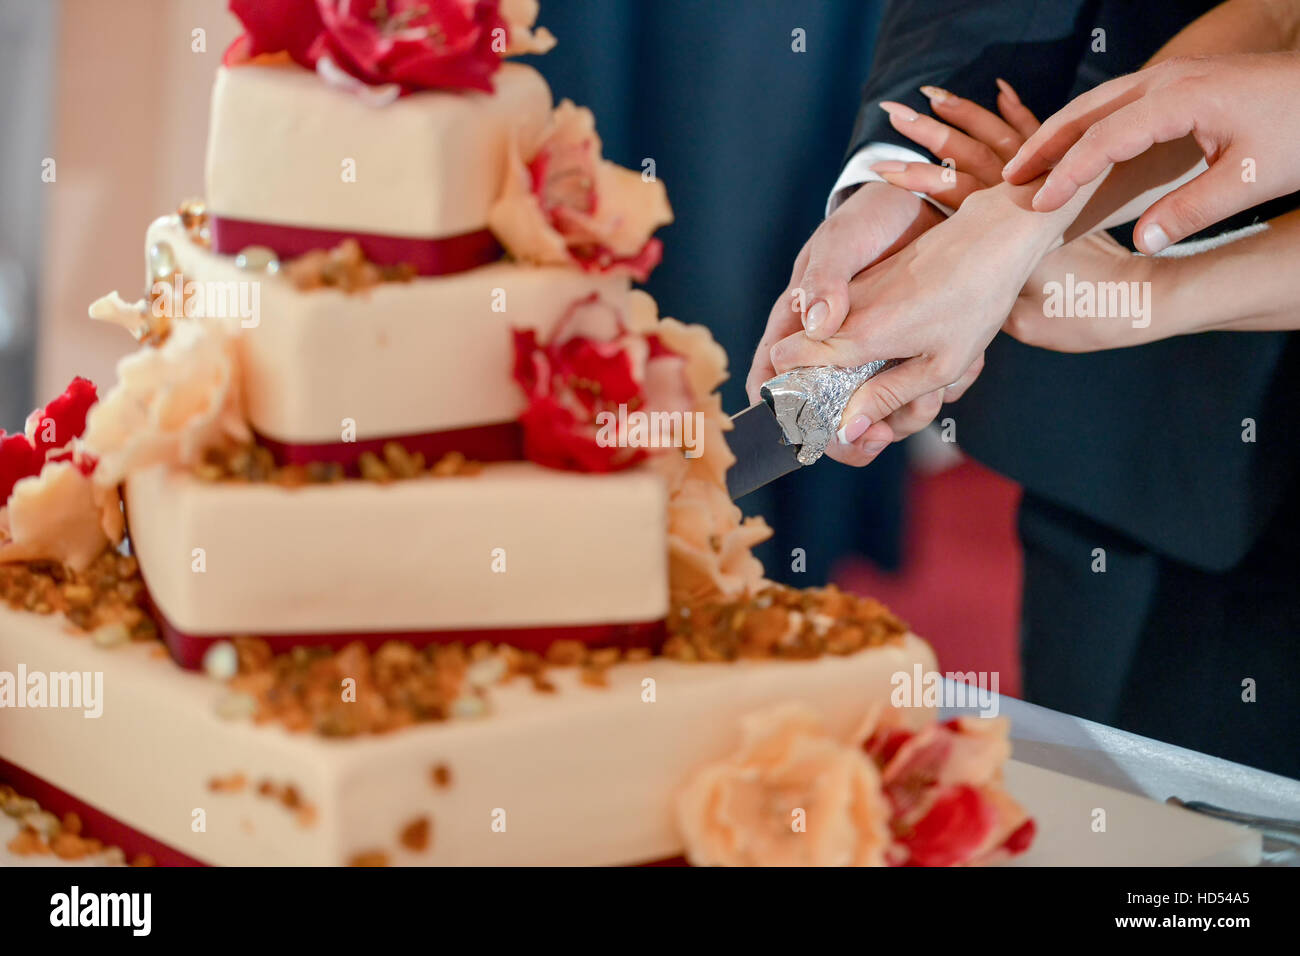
(960, 583)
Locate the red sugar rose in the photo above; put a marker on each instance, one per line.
(52, 428)
(954, 829)
(272, 26)
(592, 364)
(416, 44)
(947, 805)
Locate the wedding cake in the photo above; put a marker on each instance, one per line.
(426, 504)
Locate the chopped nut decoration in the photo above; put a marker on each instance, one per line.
(255, 463)
(780, 622)
(105, 600)
(415, 836)
(369, 858)
(234, 783)
(44, 834)
(398, 685)
(344, 267)
(194, 219)
(289, 798)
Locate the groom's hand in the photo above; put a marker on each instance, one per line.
(935, 304)
(873, 223)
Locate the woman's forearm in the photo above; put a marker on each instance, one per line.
(1238, 26)
(1247, 285)
(1126, 190)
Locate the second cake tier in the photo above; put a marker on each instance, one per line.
(427, 361)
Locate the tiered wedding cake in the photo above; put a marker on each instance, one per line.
(431, 504)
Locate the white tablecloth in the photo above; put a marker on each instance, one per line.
(1140, 765)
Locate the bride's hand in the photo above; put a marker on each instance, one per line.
(975, 162)
(1092, 294)
(1094, 266)
(973, 144)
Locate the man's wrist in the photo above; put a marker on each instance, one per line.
(857, 172)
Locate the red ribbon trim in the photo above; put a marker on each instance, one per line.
(429, 257)
(109, 830)
(503, 442)
(188, 649)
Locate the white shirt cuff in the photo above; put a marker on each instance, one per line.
(858, 171)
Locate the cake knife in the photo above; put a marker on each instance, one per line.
(792, 424)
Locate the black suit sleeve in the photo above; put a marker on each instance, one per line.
(963, 46)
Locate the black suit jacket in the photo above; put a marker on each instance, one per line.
(1146, 440)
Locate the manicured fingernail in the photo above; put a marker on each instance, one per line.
(853, 430)
(874, 447)
(935, 94)
(1040, 197)
(1005, 87)
(1154, 238)
(899, 111)
(889, 166)
(816, 316)
(1014, 163)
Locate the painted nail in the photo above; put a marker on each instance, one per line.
(889, 166)
(874, 447)
(1042, 195)
(816, 316)
(1154, 238)
(899, 112)
(936, 94)
(852, 431)
(1005, 87)
(1014, 163)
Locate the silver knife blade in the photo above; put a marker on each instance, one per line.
(762, 453)
(797, 418)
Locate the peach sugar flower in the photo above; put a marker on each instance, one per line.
(171, 404)
(710, 542)
(50, 509)
(60, 515)
(791, 796)
(520, 15)
(888, 795)
(562, 204)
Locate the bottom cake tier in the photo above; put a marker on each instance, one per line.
(576, 775)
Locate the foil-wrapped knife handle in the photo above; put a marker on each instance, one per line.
(809, 402)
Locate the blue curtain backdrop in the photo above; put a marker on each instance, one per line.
(748, 135)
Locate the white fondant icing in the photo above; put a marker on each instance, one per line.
(402, 358)
(586, 776)
(376, 96)
(407, 556)
(286, 148)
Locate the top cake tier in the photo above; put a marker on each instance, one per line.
(288, 150)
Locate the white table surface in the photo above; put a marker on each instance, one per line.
(1146, 767)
